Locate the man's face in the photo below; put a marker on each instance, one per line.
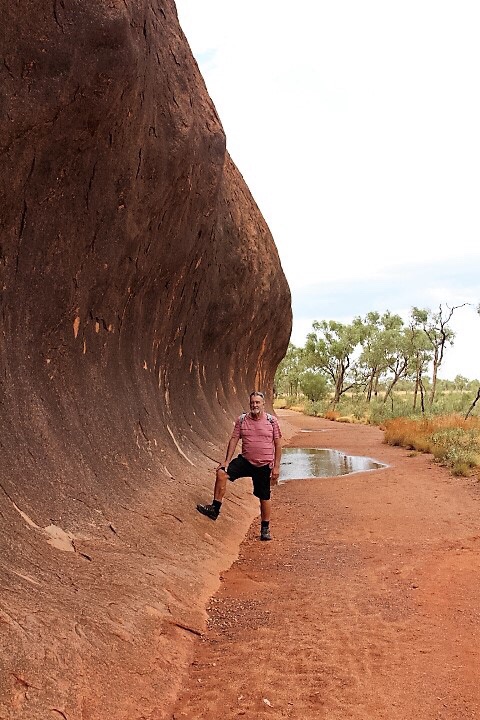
(257, 404)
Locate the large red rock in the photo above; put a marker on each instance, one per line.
(141, 299)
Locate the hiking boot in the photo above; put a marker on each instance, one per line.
(265, 534)
(208, 510)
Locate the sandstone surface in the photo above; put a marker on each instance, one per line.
(142, 297)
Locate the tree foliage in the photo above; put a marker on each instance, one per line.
(289, 372)
(314, 386)
(439, 335)
(329, 349)
(372, 355)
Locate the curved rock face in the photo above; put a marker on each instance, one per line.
(142, 298)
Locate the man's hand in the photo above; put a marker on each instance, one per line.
(274, 476)
(276, 465)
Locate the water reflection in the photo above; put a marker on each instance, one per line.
(322, 462)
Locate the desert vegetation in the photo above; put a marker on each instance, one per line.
(383, 370)
(451, 439)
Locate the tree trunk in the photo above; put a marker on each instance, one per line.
(434, 377)
(398, 374)
(338, 390)
(422, 395)
(370, 385)
(473, 404)
(341, 370)
(418, 382)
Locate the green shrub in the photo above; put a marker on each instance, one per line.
(285, 401)
(314, 385)
(317, 409)
(457, 447)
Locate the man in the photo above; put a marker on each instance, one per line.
(260, 460)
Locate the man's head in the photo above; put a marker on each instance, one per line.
(257, 403)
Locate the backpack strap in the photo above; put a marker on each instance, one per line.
(242, 417)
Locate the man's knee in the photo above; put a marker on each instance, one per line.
(222, 476)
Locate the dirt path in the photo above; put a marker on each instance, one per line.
(366, 605)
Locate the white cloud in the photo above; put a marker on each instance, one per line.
(355, 126)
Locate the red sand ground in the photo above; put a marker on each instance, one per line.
(365, 605)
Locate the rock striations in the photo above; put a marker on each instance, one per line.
(141, 299)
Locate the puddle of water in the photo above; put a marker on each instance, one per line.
(315, 431)
(322, 462)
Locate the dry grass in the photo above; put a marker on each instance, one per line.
(451, 439)
(331, 415)
(352, 419)
(297, 408)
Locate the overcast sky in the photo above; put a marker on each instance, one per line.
(356, 126)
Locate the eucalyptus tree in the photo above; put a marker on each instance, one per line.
(421, 357)
(371, 359)
(460, 383)
(435, 327)
(289, 371)
(397, 345)
(330, 350)
(381, 340)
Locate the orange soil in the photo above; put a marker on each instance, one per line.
(365, 605)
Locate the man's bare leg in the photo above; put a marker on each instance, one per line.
(220, 485)
(212, 511)
(265, 508)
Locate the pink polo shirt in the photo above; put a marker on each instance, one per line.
(257, 439)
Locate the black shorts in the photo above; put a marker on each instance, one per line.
(239, 467)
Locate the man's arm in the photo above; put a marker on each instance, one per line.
(276, 466)
(232, 444)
